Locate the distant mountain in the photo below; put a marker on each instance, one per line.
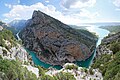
(55, 42)
(18, 24)
(102, 23)
(78, 27)
(112, 29)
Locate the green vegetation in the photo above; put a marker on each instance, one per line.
(1, 57)
(91, 72)
(46, 77)
(4, 52)
(58, 76)
(78, 27)
(41, 71)
(115, 47)
(112, 28)
(64, 76)
(85, 70)
(109, 65)
(71, 67)
(7, 35)
(13, 70)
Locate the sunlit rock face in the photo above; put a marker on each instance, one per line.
(55, 42)
(1, 28)
(104, 48)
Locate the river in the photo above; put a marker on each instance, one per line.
(17, 35)
(101, 33)
(92, 28)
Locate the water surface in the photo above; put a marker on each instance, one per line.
(101, 33)
(92, 28)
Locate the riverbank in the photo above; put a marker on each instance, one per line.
(39, 62)
(100, 32)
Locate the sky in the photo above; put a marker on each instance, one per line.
(67, 11)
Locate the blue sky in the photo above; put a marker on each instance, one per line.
(68, 11)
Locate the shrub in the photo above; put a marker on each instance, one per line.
(91, 72)
(115, 47)
(46, 77)
(4, 52)
(64, 76)
(1, 57)
(71, 67)
(14, 71)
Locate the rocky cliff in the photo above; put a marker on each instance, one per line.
(9, 47)
(107, 44)
(108, 57)
(55, 42)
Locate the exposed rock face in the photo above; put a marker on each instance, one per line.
(1, 28)
(78, 72)
(17, 52)
(104, 47)
(58, 42)
(111, 38)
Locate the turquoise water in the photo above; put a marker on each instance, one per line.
(87, 62)
(101, 32)
(38, 62)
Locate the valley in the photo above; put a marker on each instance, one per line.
(36, 49)
(59, 39)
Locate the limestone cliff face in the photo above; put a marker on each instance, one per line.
(104, 48)
(9, 47)
(55, 42)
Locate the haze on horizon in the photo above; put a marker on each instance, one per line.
(68, 11)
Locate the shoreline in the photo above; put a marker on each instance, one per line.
(84, 63)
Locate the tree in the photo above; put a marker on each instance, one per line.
(64, 76)
(115, 47)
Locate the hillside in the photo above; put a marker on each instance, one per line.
(113, 29)
(108, 57)
(55, 42)
(17, 24)
(12, 58)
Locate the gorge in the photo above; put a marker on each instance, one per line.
(55, 42)
(84, 63)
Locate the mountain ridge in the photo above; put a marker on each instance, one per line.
(55, 42)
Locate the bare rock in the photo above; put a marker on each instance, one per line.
(55, 42)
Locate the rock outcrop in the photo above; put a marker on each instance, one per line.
(9, 47)
(104, 48)
(17, 52)
(1, 28)
(55, 42)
